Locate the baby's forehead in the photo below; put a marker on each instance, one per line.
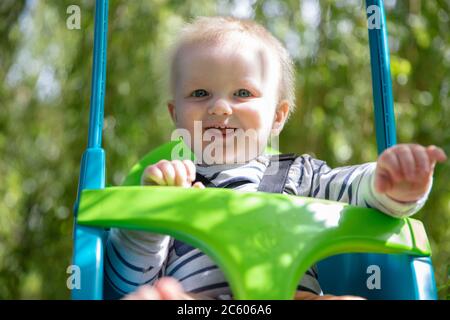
(236, 53)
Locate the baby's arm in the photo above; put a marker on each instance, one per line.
(356, 184)
(136, 258)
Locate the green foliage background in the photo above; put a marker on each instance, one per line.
(44, 107)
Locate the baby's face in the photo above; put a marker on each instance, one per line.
(233, 86)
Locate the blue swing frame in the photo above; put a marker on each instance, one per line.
(403, 276)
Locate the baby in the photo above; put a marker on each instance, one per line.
(232, 80)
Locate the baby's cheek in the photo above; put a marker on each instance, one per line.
(252, 117)
(190, 118)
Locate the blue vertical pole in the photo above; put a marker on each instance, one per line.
(417, 280)
(98, 75)
(87, 277)
(423, 277)
(381, 75)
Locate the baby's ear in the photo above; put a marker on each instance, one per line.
(281, 113)
(171, 108)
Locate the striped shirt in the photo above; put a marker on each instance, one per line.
(134, 258)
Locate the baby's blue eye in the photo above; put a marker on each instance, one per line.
(199, 93)
(243, 93)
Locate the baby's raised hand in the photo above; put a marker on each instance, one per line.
(171, 173)
(404, 171)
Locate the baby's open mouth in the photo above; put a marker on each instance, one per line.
(224, 130)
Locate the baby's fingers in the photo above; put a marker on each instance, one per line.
(168, 171)
(198, 185)
(422, 162)
(171, 289)
(383, 181)
(436, 154)
(190, 168)
(145, 292)
(181, 175)
(152, 174)
(389, 164)
(407, 162)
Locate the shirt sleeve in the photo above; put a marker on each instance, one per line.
(350, 184)
(134, 258)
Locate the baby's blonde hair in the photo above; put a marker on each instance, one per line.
(216, 29)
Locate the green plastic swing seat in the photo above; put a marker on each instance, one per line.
(262, 242)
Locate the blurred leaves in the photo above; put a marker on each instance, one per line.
(44, 106)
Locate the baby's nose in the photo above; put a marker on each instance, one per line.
(220, 107)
